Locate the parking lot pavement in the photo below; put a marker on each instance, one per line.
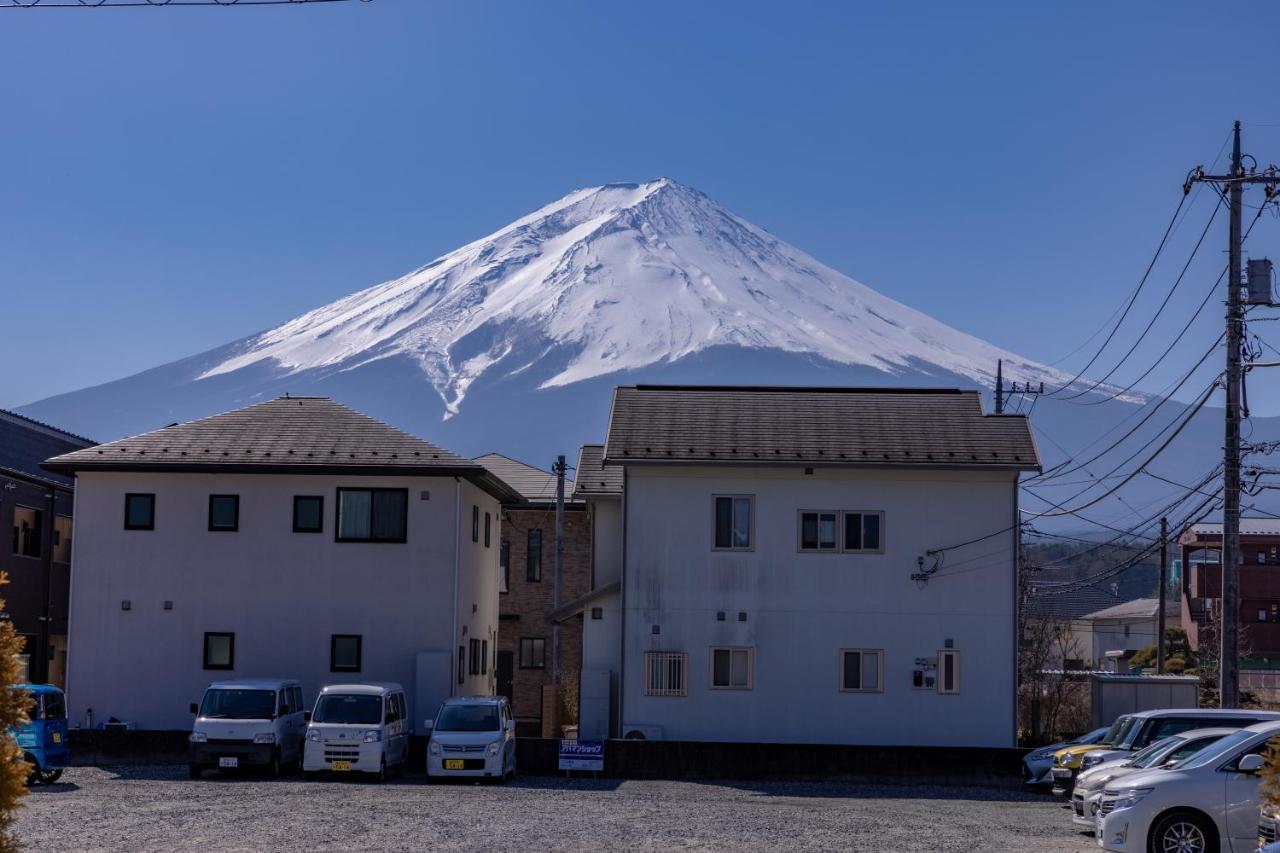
(158, 808)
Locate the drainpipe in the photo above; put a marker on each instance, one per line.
(622, 610)
(40, 656)
(457, 561)
(1017, 638)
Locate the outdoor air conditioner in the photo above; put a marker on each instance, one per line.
(642, 732)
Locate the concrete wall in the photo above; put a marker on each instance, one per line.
(282, 593)
(606, 540)
(601, 653)
(803, 608)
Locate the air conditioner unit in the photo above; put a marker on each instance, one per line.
(630, 732)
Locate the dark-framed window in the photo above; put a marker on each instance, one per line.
(219, 650)
(371, 515)
(475, 523)
(819, 530)
(475, 656)
(346, 652)
(462, 664)
(533, 653)
(224, 513)
(504, 563)
(139, 511)
(734, 522)
(28, 531)
(308, 514)
(864, 531)
(533, 562)
(488, 529)
(484, 657)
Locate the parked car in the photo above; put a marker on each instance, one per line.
(1067, 761)
(1208, 802)
(43, 740)
(473, 736)
(1163, 753)
(1037, 765)
(249, 722)
(358, 728)
(1268, 820)
(1146, 727)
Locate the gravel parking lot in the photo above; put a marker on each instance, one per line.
(157, 808)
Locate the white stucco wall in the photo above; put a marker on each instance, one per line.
(282, 593)
(606, 540)
(802, 608)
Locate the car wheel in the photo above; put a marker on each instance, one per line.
(381, 775)
(273, 769)
(1182, 832)
(49, 776)
(195, 771)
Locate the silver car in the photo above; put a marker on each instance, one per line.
(472, 736)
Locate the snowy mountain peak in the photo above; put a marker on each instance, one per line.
(611, 278)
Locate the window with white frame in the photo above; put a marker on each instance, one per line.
(862, 670)
(819, 530)
(666, 674)
(733, 522)
(731, 668)
(864, 531)
(949, 671)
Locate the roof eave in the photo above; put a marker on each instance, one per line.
(808, 463)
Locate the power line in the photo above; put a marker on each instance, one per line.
(121, 4)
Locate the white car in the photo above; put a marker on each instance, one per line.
(1207, 803)
(473, 736)
(358, 728)
(247, 722)
(1037, 765)
(1087, 794)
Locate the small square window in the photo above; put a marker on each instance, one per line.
(219, 650)
(345, 652)
(224, 513)
(665, 674)
(731, 669)
(818, 530)
(533, 653)
(139, 512)
(861, 670)
(308, 514)
(597, 613)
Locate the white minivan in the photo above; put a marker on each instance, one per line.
(358, 728)
(247, 722)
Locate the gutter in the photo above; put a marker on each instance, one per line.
(457, 562)
(622, 609)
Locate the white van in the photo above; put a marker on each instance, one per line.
(247, 722)
(359, 728)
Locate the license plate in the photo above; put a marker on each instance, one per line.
(57, 737)
(228, 761)
(454, 763)
(340, 765)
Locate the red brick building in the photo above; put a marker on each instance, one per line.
(1201, 550)
(527, 556)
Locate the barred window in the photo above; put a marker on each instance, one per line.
(666, 674)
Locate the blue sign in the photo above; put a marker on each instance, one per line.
(582, 755)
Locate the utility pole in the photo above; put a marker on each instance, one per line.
(1002, 396)
(559, 469)
(999, 386)
(1162, 593)
(1229, 623)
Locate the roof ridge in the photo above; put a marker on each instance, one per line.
(48, 426)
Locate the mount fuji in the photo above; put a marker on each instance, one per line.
(513, 342)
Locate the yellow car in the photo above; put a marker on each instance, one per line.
(1066, 761)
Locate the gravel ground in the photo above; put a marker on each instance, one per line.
(157, 808)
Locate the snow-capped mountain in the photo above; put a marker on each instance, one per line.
(616, 278)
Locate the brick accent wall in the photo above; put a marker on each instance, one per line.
(524, 608)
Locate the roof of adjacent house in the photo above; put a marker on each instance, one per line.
(1046, 602)
(1248, 527)
(534, 484)
(595, 478)
(1138, 608)
(299, 435)
(852, 427)
(26, 443)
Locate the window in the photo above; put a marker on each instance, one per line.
(488, 529)
(62, 539)
(504, 563)
(533, 653)
(533, 562)
(475, 656)
(818, 531)
(475, 523)
(733, 522)
(949, 671)
(462, 664)
(863, 531)
(295, 699)
(731, 669)
(139, 512)
(346, 652)
(861, 670)
(27, 524)
(1262, 614)
(219, 650)
(1262, 558)
(484, 657)
(1126, 630)
(308, 514)
(224, 512)
(372, 515)
(665, 674)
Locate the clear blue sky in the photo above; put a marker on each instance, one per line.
(176, 179)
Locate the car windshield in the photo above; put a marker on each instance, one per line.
(468, 718)
(1218, 749)
(1094, 736)
(238, 704)
(1117, 731)
(54, 706)
(357, 709)
(1154, 753)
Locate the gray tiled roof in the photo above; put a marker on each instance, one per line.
(1138, 608)
(1248, 527)
(880, 427)
(25, 443)
(595, 478)
(287, 435)
(533, 484)
(1068, 605)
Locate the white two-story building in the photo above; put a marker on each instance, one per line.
(824, 565)
(293, 538)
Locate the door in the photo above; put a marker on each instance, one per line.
(505, 672)
(1242, 803)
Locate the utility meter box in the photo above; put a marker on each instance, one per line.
(1259, 280)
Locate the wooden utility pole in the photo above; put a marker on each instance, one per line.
(1162, 594)
(559, 469)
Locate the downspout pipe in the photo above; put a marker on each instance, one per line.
(455, 640)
